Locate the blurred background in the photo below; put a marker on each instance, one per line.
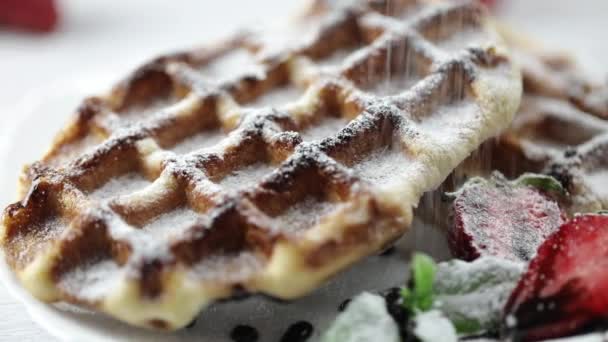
(112, 36)
(48, 44)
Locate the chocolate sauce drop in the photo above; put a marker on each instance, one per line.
(244, 333)
(298, 332)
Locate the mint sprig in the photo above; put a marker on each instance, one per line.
(445, 299)
(542, 182)
(420, 296)
(451, 287)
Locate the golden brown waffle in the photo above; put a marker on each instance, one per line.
(255, 166)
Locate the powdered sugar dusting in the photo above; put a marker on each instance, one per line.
(327, 127)
(92, 281)
(144, 243)
(382, 167)
(276, 97)
(198, 141)
(304, 214)
(476, 291)
(245, 177)
(172, 223)
(41, 233)
(122, 185)
(448, 123)
(228, 267)
(76, 149)
(135, 114)
(151, 241)
(230, 66)
(434, 326)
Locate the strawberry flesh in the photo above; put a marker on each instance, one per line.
(499, 218)
(565, 289)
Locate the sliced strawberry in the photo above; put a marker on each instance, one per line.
(36, 15)
(501, 218)
(565, 288)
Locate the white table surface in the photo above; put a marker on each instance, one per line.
(112, 36)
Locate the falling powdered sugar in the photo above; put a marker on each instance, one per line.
(393, 84)
(468, 37)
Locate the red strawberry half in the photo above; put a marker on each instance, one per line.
(507, 219)
(565, 288)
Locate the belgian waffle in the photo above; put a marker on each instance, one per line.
(260, 164)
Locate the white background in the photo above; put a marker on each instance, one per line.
(103, 39)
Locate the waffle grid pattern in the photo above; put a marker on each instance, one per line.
(243, 168)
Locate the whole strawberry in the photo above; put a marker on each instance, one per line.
(501, 218)
(565, 288)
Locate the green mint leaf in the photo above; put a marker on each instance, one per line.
(542, 182)
(423, 271)
(408, 297)
(420, 297)
(365, 319)
(468, 327)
